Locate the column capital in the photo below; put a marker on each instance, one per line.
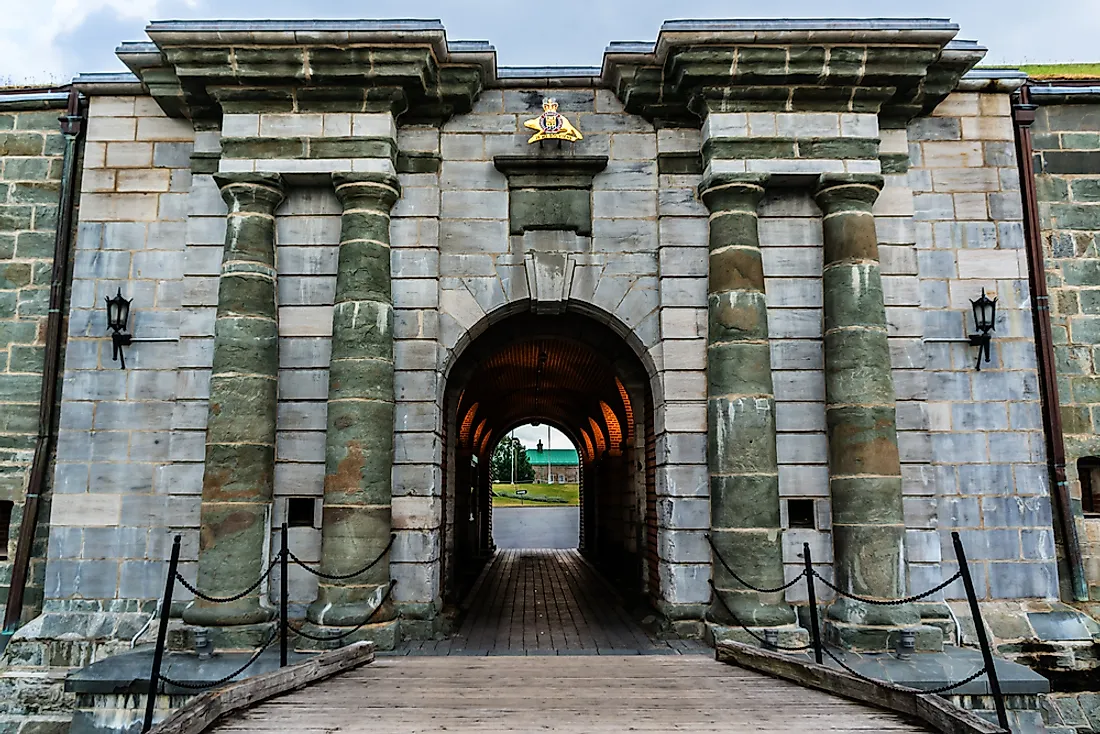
(733, 191)
(368, 190)
(258, 193)
(844, 192)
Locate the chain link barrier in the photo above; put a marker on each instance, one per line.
(742, 581)
(228, 599)
(904, 689)
(225, 679)
(758, 638)
(344, 576)
(353, 630)
(890, 602)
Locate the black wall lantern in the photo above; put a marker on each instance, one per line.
(985, 317)
(118, 315)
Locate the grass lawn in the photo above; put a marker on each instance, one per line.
(538, 495)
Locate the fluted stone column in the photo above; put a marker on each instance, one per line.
(864, 469)
(240, 436)
(359, 442)
(741, 452)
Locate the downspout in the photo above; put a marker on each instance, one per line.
(72, 125)
(1023, 114)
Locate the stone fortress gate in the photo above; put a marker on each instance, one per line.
(744, 293)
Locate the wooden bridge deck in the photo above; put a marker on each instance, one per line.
(576, 694)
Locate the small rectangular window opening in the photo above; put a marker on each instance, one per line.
(800, 514)
(5, 527)
(299, 512)
(1088, 470)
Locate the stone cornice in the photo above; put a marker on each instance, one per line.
(897, 68)
(199, 69)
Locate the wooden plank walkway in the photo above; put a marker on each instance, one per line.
(547, 602)
(573, 694)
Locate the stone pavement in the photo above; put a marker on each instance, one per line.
(548, 602)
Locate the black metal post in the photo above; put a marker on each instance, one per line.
(979, 627)
(162, 634)
(811, 597)
(283, 565)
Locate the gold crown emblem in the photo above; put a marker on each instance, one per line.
(549, 105)
(551, 125)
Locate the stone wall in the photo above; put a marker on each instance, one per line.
(31, 149)
(111, 531)
(987, 453)
(1067, 179)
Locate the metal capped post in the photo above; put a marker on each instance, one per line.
(162, 634)
(811, 598)
(283, 558)
(979, 627)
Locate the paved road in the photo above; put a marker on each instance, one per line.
(536, 527)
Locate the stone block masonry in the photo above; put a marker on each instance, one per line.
(1067, 180)
(31, 148)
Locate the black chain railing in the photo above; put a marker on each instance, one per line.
(770, 641)
(281, 630)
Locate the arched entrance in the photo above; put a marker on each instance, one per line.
(577, 374)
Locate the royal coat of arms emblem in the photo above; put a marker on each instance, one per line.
(552, 125)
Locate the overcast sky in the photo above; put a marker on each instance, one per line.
(48, 41)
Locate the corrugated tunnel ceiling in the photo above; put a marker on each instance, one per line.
(517, 375)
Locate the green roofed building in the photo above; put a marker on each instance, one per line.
(555, 465)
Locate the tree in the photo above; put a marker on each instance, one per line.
(508, 449)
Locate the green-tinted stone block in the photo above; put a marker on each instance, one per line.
(9, 301)
(1086, 389)
(238, 472)
(26, 169)
(417, 162)
(739, 368)
(850, 236)
(25, 358)
(741, 435)
(857, 368)
(246, 345)
(838, 148)
(1086, 189)
(33, 302)
(869, 559)
(894, 163)
(358, 452)
(16, 217)
(361, 379)
(853, 296)
(364, 271)
(1076, 419)
(34, 245)
(1075, 360)
(866, 500)
(1081, 271)
(862, 440)
(19, 388)
(1085, 329)
(542, 208)
(262, 148)
(352, 148)
(18, 332)
(1050, 188)
(246, 294)
(7, 245)
(1064, 302)
(365, 225)
(45, 217)
(679, 164)
(40, 272)
(242, 409)
(736, 268)
(745, 500)
(751, 148)
(21, 144)
(250, 238)
(1075, 216)
(15, 275)
(362, 330)
(736, 316)
(43, 120)
(733, 226)
(35, 192)
(19, 418)
(7, 121)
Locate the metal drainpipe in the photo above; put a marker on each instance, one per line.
(1023, 114)
(72, 125)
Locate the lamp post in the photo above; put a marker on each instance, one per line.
(985, 316)
(118, 315)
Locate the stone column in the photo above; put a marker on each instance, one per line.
(741, 452)
(864, 469)
(240, 436)
(359, 441)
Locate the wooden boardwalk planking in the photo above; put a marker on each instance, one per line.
(543, 602)
(569, 694)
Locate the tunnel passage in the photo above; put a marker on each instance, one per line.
(576, 374)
